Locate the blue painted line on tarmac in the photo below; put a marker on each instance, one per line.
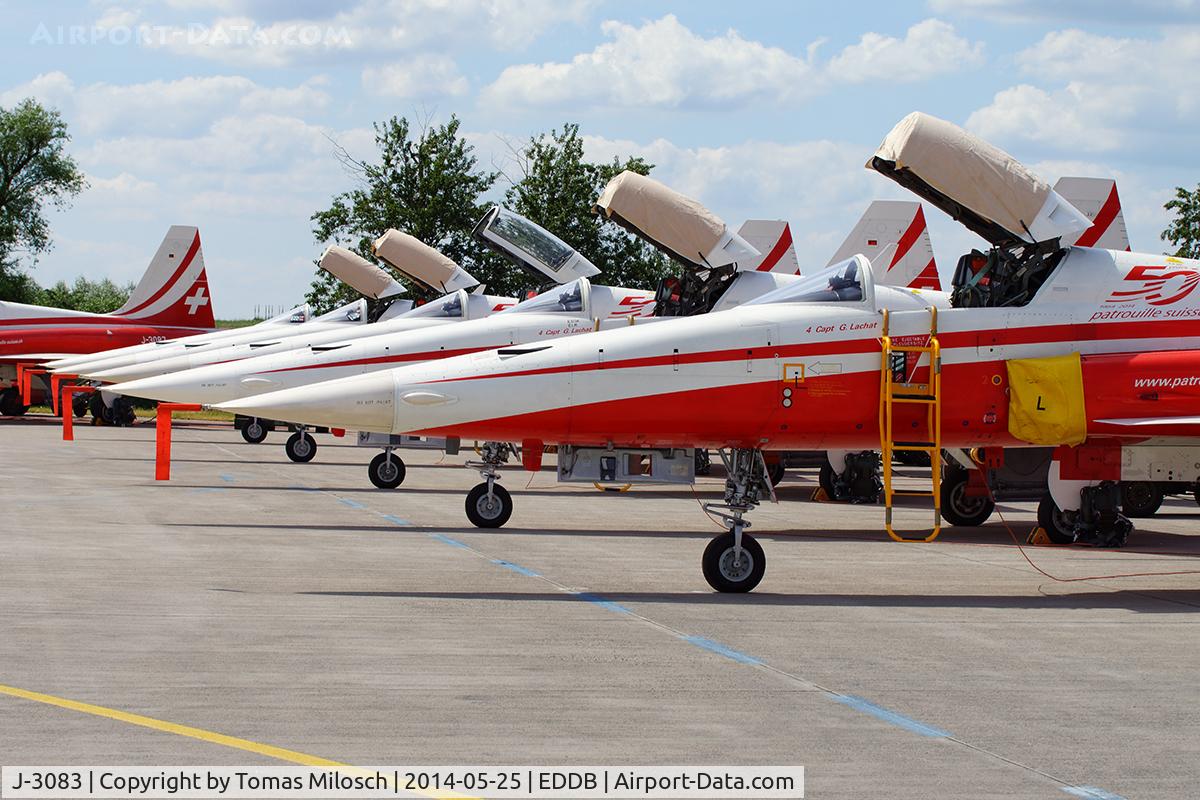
(891, 717)
(209, 489)
(722, 650)
(1091, 793)
(517, 568)
(608, 605)
(396, 520)
(448, 540)
(226, 477)
(346, 501)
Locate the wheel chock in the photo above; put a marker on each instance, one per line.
(819, 495)
(1039, 538)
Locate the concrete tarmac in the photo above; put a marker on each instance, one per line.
(295, 605)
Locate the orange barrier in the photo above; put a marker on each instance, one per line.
(68, 392)
(27, 383)
(162, 437)
(55, 393)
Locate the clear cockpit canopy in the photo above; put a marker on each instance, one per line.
(848, 281)
(531, 246)
(451, 306)
(570, 298)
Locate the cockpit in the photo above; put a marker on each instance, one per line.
(844, 282)
(570, 298)
(447, 307)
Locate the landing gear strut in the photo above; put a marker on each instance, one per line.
(489, 505)
(734, 561)
(387, 470)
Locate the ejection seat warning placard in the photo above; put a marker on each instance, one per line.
(511, 782)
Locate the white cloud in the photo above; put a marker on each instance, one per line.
(928, 49)
(163, 107)
(244, 32)
(664, 64)
(420, 77)
(1109, 93)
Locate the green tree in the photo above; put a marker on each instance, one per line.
(35, 172)
(424, 183)
(1184, 230)
(96, 297)
(557, 189)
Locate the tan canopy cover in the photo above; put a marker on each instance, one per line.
(661, 215)
(414, 258)
(358, 273)
(966, 169)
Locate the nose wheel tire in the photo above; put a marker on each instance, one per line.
(775, 473)
(489, 512)
(959, 508)
(79, 405)
(385, 472)
(725, 571)
(300, 447)
(254, 431)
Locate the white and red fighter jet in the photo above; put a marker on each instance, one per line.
(801, 367)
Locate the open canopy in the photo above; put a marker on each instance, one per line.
(975, 182)
(422, 263)
(531, 246)
(671, 222)
(361, 275)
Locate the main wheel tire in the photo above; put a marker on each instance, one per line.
(719, 567)
(958, 508)
(775, 473)
(385, 472)
(1053, 521)
(1196, 493)
(489, 512)
(300, 447)
(825, 479)
(1140, 498)
(10, 403)
(254, 431)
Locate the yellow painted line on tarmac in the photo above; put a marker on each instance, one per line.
(270, 751)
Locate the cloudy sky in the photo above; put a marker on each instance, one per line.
(219, 113)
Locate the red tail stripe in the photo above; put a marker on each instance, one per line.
(187, 261)
(781, 246)
(910, 237)
(1104, 218)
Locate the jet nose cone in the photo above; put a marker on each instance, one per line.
(360, 402)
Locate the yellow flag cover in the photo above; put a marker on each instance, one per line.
(1045, 403)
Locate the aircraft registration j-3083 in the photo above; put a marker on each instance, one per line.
(1032, 328)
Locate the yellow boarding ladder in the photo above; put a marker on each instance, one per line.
(893, 392)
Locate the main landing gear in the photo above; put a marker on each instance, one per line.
(489, 505)
(1098, 521)
(11, 404)
(734, 561)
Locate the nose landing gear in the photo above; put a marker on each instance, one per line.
(489, 505)
(734, 561)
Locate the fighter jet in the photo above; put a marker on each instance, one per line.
(1034, 328)
(172, 299)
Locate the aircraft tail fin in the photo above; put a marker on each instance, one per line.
(174, 288)
(1097, 198)
(773, 240)
(910, 263)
